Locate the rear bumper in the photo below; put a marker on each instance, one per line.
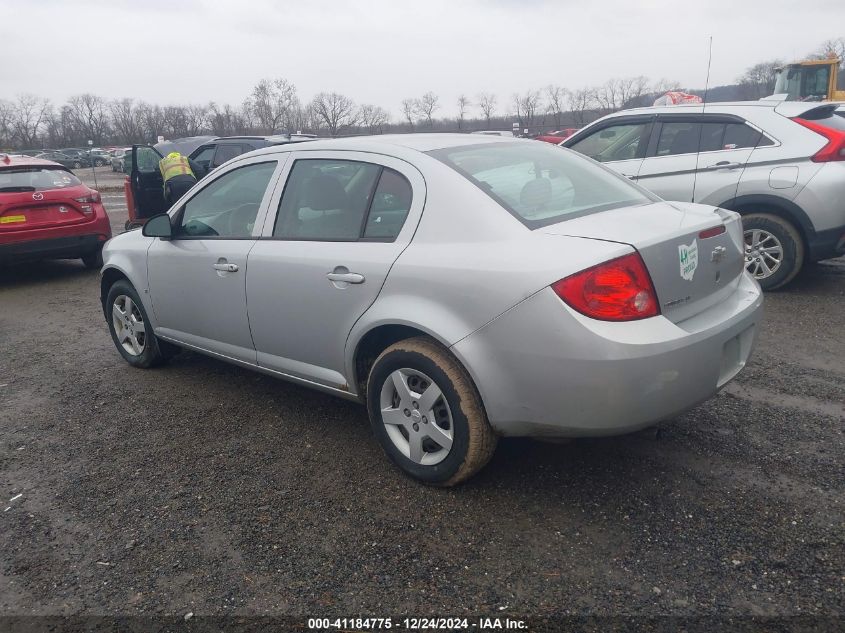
(56, 242)
(544, 370)
(827, 244)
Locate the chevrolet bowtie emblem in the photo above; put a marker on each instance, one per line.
(718, 254)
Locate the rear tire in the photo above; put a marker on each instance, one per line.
(772, 242)
(138, 344)
(413, 429)
(77, 165)
(93, 260)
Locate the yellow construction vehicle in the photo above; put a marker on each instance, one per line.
(811, 80)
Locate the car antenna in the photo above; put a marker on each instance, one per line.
(703, 108)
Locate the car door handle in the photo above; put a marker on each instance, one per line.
(725, 165)
(350, 278)
(225, 267)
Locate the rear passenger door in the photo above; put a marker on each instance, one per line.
(669, 168)
(726, 147)
(326, 248)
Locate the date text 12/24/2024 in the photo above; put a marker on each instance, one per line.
(416, 624)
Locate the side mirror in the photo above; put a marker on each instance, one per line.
(158, 226)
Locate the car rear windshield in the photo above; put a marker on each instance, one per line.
(541, 184)
(19, 179)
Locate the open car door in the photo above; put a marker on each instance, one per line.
(146, 184)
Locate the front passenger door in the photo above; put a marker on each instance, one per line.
(619, 143)
(197, 279)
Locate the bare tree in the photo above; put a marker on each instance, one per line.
(463, 106)
(126, 120)
(581, 105)
(831, 48)
(90, 116)
(616, 94)
(335, 110)
(28, 116)
(373, 118)
(409, 108)
(527, 106)
(6, 117)
(273, 104)
(425, 107)
(487, 104)
(556, 102)
(196, 119)
(152, 120)
(759, 80)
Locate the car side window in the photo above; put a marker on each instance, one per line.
(740, 135)
(228, 206)
(390, 206)
(678, 137)
(326, 199)
(147, 159)
(614, 142)
(226, 152)
(204, 155)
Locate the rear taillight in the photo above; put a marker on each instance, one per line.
(835, 148)
(86, 201)
(618, 290)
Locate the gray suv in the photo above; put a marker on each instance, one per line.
(781, 165)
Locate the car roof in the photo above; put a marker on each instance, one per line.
(786, 108)
(391, 142)
(16, 160)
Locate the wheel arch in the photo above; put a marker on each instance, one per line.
(372, 342)
(775, 205)
(113, 273)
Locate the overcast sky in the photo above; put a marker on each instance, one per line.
(382, 51)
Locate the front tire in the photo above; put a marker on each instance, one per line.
(77, 165)
(774, 250)
(427, 414)
(130, 329)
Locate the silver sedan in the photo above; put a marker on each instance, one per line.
(463, 288)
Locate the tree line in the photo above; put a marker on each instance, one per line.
(274, 106)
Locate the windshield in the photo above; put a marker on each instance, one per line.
(803, 82)
(540, 183)
(35, 179)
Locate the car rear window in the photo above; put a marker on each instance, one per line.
(19, 179)
(541, 184)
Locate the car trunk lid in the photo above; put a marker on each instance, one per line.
(694, 253)
(21, 210)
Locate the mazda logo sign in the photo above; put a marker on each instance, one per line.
(38, 196)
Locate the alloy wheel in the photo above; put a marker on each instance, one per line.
(129, 325)
(416, 416)
(763, 253)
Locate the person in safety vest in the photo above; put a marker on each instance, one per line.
(178, 176)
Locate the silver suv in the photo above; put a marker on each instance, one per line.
(781, 165)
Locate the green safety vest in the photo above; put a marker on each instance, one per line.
(178, 166)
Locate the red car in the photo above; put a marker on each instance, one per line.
(557, 136)
(48, 213)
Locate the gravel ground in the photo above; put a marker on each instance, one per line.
(204, 488)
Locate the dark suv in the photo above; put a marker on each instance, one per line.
(145, 193)
(211, 155)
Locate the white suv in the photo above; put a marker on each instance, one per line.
(779, 164)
